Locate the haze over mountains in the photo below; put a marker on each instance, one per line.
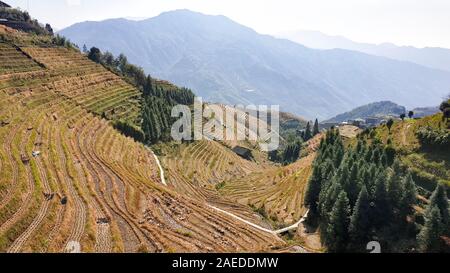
(376, 109)
(226, 62)
(433, 57)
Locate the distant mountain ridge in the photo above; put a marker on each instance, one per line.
(434, 57)
(425, 111)
(376, 109)
(225, 62)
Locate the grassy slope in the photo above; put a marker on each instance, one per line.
(427, 166)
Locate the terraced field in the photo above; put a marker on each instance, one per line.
(67, 177)
(259, 192)
(276, 192)
(14, 61)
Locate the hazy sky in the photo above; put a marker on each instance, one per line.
(404, 22)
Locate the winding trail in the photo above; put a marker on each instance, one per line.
(274, 232)
(404, 132)
(161, 170)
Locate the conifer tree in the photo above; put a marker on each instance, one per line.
(395, 186)
(409, 196)
(439, 199)
(382, 212)
(338, 155)
(389, 153)
(353, 186)
(148, 87)
(337, 233)
(429, 238)
(360, 221)
(313, 190)
(308, 133)
(316, 129)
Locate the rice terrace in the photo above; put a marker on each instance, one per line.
(102, 149)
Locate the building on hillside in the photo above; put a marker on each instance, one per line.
(329, 125)
(361, 123)
(4, 5)
(243, 152)
(374, 121)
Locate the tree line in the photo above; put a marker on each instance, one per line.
(362, 194)
(291, 149)
(31, 25)
(156, 101)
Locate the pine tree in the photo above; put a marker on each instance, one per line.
(439, 199)
(338, 155)
(360, 220)
(429, 238)
(314, 188)
(353, 186)
(327, 199)
(409, 196)
(316, 130)
(308, 133)
(148, 87)
(337, 232)
(389, 153)
(394, 186)
(382, 212)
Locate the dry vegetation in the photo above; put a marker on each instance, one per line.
(92, 185)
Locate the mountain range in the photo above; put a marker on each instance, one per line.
(226, 62)
(433, 57)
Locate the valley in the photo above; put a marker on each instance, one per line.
(89, 162)
(89, 184)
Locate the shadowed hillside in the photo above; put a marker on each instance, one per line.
(230, 63)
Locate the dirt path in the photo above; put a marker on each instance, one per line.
(161, 170)
(274, 232)
(404, 137)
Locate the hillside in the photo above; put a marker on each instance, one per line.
(429, 165)
(69, 176)
(377, 109)
(230, 63)
(19, 19)
(433, 57)
(86, 159)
